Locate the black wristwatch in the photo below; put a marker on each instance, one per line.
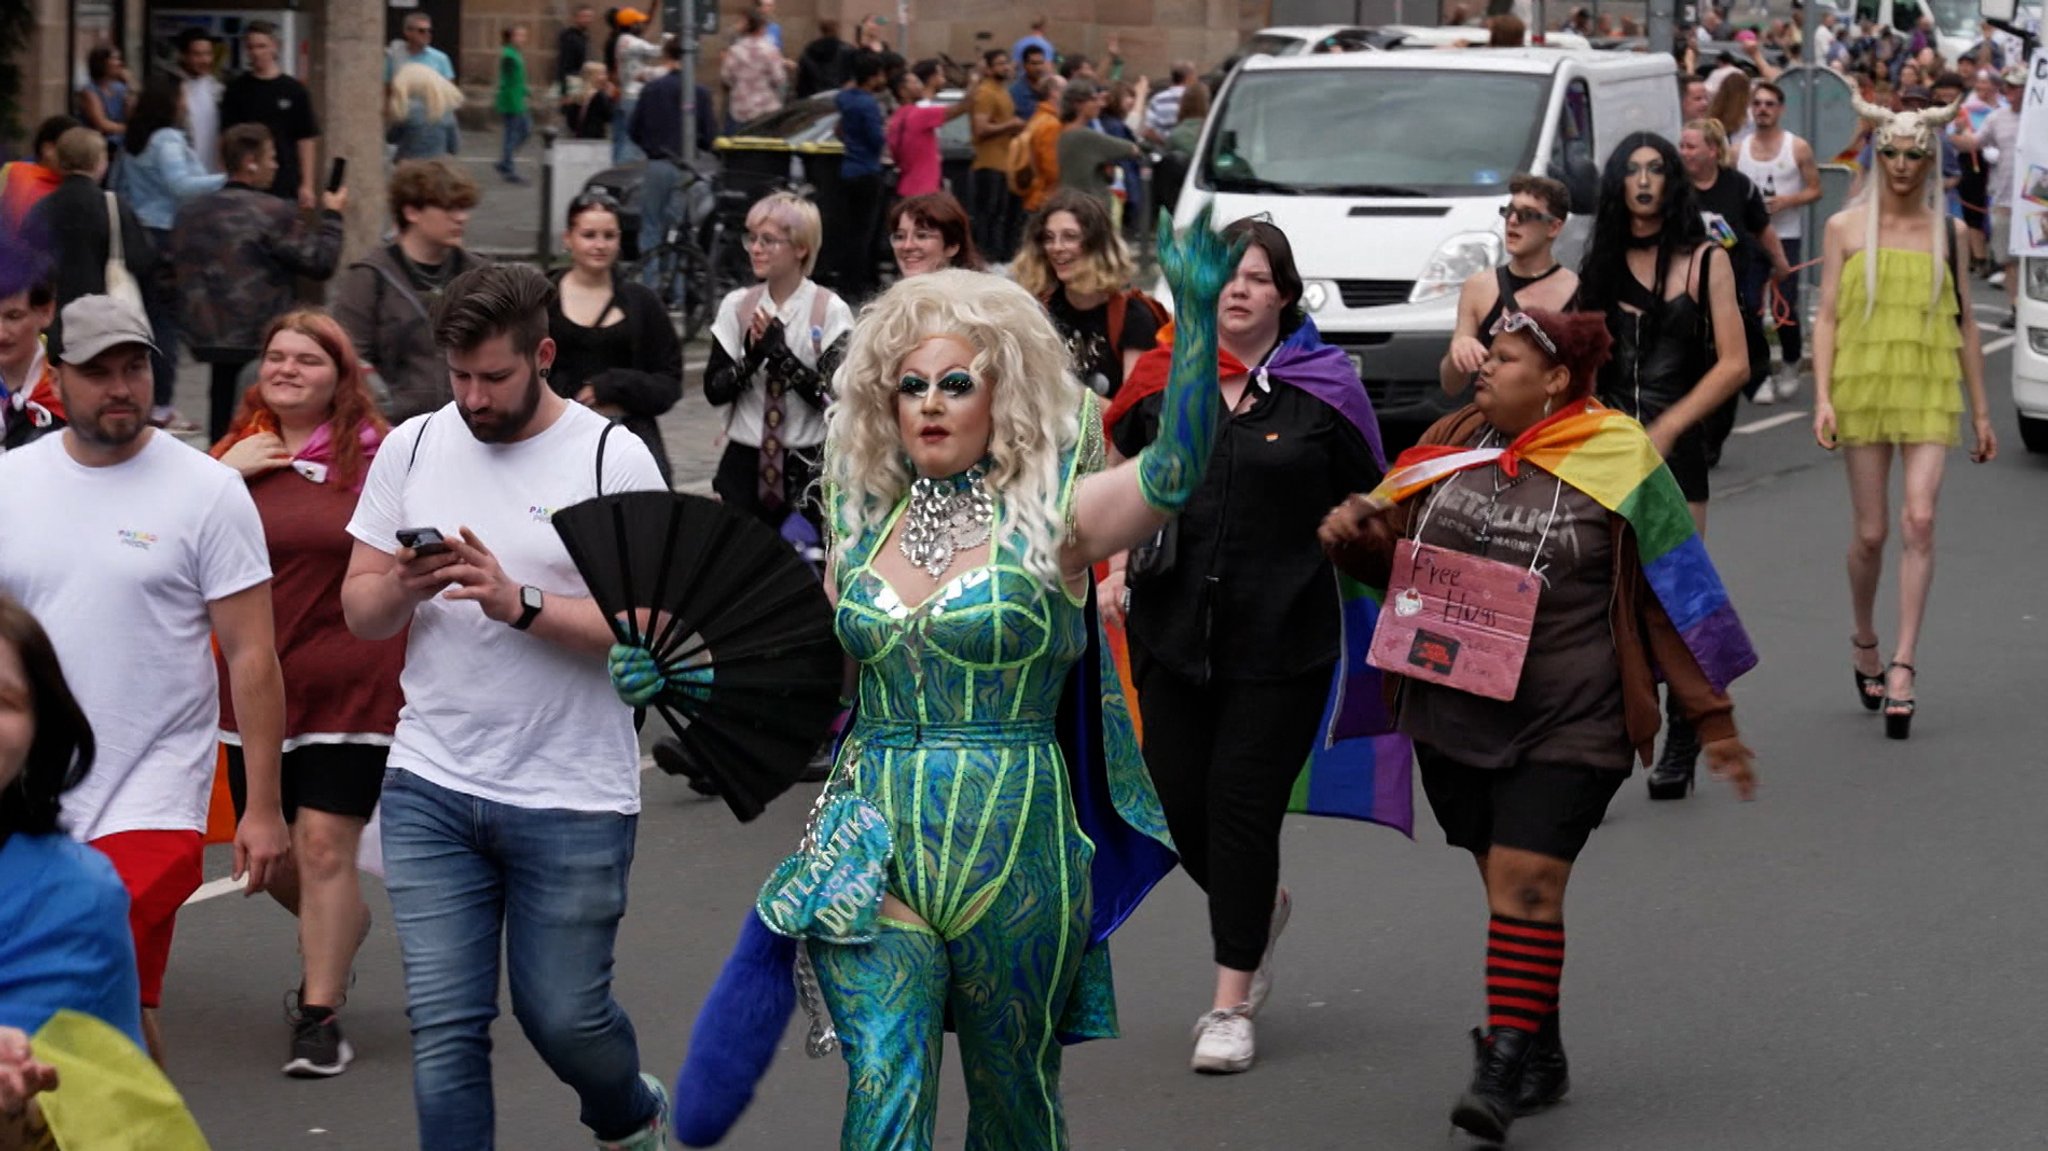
(529, 607)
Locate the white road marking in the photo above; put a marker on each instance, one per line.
(2000, 344)
(1768, 422)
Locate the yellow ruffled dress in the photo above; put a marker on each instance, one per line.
(1897, 373)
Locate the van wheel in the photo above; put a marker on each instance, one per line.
(2034, 434)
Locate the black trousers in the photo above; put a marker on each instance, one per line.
(862, 208)
(1224, 757)
(991, 207)
(224, 397)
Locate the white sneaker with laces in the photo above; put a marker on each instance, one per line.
(1262, 979)
(1788, 382)
(1223, 1041)
(1766, 394)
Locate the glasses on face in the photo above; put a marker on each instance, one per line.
(1892, 153)
(1516, 214)
(1524, 322)
(765, 241)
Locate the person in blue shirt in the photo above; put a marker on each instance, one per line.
(850, 242)
(66, 944)
(419, 48)
(1033, 65)
(1033, 39)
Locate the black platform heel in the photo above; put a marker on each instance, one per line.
(1869, 688)
(1672, 777)
(1898, 724)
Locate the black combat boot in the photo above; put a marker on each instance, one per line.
(1672, 777)
(1487, 1108)
(1545, 1076)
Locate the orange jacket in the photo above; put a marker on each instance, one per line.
(1043, 134)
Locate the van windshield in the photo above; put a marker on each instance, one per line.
(1382, 131)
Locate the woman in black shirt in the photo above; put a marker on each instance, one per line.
(615, 349)
(1075, 263)
(1235, 626)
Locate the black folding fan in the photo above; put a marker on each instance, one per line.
(738, 622)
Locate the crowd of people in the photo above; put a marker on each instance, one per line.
(355, 612)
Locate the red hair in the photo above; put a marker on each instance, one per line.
(1583, 345)
(354, 407)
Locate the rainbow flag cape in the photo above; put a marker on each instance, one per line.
(1605, 454)
(1360, 768)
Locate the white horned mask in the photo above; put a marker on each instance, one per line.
(1921, 129)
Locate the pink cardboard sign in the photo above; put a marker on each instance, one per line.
(1455, 619)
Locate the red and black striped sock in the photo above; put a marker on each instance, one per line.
(1524, 963)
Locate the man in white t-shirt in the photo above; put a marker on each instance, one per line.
(513, 786)
(202, 95)
(132, 549)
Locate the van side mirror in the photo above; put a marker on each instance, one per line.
(1582, 182)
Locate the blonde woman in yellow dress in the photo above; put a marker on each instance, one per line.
(1895, 349)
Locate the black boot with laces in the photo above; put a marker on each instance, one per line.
(1545, 1075)
(1487, 1108)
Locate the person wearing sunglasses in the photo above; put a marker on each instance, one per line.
(1669, 296)
(1531, 221)
(774, 349)
(1782, 166)
(615, 349)
(1521, 783)
(1894, 337)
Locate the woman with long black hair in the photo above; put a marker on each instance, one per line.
(1669, 296)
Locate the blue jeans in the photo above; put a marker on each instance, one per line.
(462, 872)
(624, 150)
(518, 129)
(661, 208)
(160, 303)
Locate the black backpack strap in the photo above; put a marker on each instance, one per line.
(415, 456)
(609, 428)
(1508, 303)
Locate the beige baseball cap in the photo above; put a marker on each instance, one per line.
(92, 324)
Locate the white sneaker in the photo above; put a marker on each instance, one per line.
(1997, 279)
(1262, 979)
(1223, 1041)
(1788, 382)
(1766, 394)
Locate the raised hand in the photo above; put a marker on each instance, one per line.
(1197, 264)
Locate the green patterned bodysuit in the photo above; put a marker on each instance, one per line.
(956, 748)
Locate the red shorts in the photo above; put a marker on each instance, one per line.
(160, 869)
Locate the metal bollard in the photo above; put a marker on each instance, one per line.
(547, 194)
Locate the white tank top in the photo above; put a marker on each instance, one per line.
(1777, 176)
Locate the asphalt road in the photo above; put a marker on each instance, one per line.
(1849, 962)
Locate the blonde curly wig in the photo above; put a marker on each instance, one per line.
(1036, 407)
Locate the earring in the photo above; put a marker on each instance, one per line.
(1546, 406)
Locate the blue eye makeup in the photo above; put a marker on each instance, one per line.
(955, 384)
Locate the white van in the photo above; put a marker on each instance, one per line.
(1388, 170)
(2030, 353)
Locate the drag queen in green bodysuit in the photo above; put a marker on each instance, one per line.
(967, 504)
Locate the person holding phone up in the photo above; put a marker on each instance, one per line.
(236, 253)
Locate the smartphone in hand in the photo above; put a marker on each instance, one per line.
(422, 541)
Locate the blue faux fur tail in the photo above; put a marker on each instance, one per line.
(737, 1032)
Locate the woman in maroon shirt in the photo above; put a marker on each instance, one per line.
(303, 440)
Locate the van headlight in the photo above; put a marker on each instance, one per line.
(2037, 278)
(1314, 295)
(1455, 261)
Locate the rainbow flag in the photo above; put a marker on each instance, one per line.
(1360, 768)
(1605, 454)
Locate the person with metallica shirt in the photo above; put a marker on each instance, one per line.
(1669, 296)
